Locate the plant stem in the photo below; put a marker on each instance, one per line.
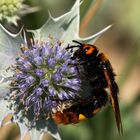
(89, 15)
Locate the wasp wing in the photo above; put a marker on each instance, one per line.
(109, 75)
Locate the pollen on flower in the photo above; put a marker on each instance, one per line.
(43, 75)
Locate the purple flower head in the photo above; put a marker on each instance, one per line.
(27, 53)
(20, 60)
(63, 95)
(30, 80)
(38, 60)
(64, 68)
(37, 107)
(49, 104)
(73, 83)
(60, 95)
(39, 72)
(27, 66)
(38, 91)
(23, 86)
(51, 62)
(57, 77)
(20, 76)
(45, 83)
(73, 70)
(58, 52)
(43, 76)
(52, 92)
(35, 51)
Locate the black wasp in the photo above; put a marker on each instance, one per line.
(94, 67)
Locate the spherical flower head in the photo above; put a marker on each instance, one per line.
(44, 74)
(11, 10)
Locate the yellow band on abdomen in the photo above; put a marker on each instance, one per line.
(81, 117)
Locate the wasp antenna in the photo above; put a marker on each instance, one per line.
(69, 47)
(75, 41)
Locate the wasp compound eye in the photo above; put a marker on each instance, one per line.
(88, 50)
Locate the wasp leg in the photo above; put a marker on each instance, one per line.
(109, 75)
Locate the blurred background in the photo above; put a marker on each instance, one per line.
(122, 45)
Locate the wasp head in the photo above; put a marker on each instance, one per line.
(85, 50)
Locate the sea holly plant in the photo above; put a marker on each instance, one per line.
(35, 78)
